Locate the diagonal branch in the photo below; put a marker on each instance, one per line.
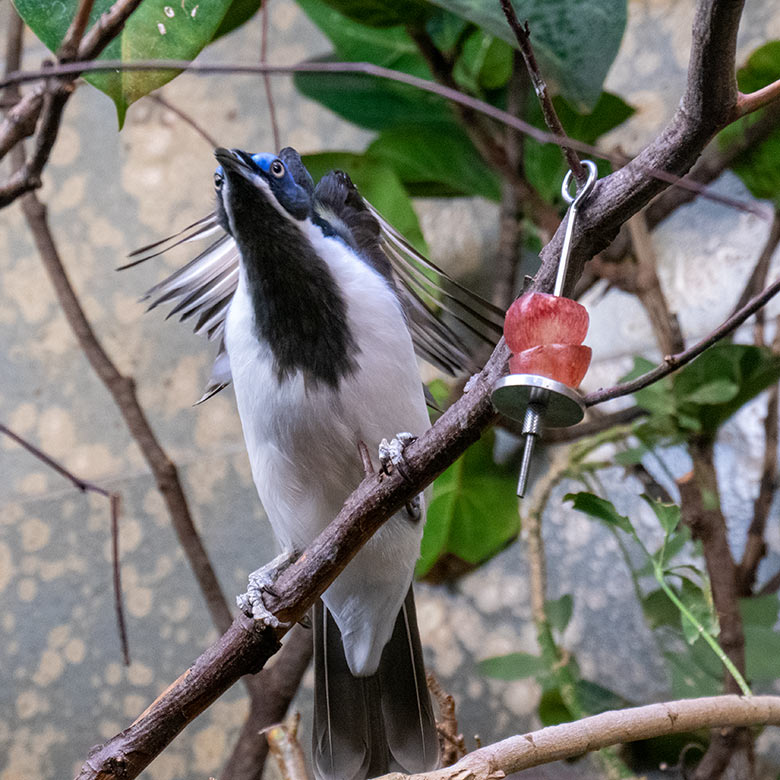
(523, 37)
(569, 740)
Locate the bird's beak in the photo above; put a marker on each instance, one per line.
(233, 161)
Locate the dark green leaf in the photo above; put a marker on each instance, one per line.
(656, 398)
(668, 514)
(240, 12)
(701, 386)
(552, 709)
(378, 183)
(559, 612)
(760, 610)
(514, 666)
(383, 13)
(601, 509)
(158, 29)
(659, 610)
(474, 507)
(699, 603)
(434, 154)
(370, 102)
(695, 673)
(355, 42)
(595, 698)
(759, 165)
(574, 40)
(484, 63)
(544, 164)
(762, 653)
(630, 457)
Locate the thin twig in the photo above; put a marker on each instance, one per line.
(673, 362)
(114, 500)
(452, 746)
(755, 545)
(286, 749)
(8, 191)
(757, 280)
(522, 34)
(746, 104)
(269, 96)
(186, 118)
(648, 288)
(69, 48)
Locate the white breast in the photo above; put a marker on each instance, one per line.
(303, 445)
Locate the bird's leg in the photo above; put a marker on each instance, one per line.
(391, 455)
(252, 603)
(368, 466)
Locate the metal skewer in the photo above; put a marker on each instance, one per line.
(539, 398)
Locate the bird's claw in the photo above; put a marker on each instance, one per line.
(252, 603)
(391, 456)
(391, 453)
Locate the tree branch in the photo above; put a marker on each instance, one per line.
(746, 104)
(568, 740)
(673, 362)
(523, 36)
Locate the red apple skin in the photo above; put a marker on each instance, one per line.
(540, 318)
(567, 363)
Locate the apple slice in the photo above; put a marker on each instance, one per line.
(540, 318)
(565, 363)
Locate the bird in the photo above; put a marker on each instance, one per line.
(318, 306)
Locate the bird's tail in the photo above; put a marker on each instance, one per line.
(368, 726)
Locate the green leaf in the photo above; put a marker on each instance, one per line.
(656, 398)
(473, 514)
(514, 666)
(544, 164)
(698, 600)
(378, 183)
(371, 102)
(355, 42)
(427, 155)
(668, 514)
(240, 12)
(722, 380)
(695, 673)
(759, 165)
(762, 653)
(760, 610)
(552, 709)
(559, 612)
(484, 63)
(659, 610)
(595, 698)
(575, 41)
(158, 29)
(601, 509)
(383, 13)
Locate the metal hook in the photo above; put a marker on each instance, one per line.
(583, 191)
(574, 200)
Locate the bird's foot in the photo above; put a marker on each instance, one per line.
(252, 603)
(391, 456)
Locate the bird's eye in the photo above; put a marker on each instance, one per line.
(277, 169)
(218, 179)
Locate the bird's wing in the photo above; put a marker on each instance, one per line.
(437, 307)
